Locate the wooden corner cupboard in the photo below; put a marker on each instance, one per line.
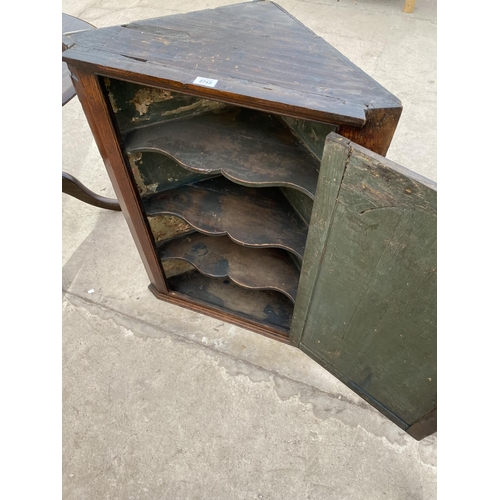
(247, 157)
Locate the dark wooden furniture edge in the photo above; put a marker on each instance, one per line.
(73, 187)
(419, 430)
(114, 58)
(367, 132)
(96, 110)
(423, 427)
(354, 387)
(196, 306)
(377, 134)
(363, 150)
(134, 68)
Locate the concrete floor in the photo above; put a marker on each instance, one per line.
(162, 403)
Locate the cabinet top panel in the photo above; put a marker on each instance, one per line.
(253, 54)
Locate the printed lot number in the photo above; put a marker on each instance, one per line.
(206, 82)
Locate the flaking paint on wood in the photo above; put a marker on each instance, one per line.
(366, 306)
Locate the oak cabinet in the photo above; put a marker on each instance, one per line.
(247, 157)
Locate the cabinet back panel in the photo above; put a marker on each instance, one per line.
(312, 134)
(137, 105)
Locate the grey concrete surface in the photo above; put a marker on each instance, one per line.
(163, 403)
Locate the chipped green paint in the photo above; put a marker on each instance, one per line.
(366, 305)
(312, 134)
(154, 172)
(165, 227)
(145, 96)
(135, 161)
(137, 105)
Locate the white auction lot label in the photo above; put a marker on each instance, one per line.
(206, 82)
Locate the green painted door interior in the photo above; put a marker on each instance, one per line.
(366, 304)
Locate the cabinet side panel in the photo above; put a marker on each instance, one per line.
(372, 312)
(97, 113)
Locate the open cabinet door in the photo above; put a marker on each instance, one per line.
(366, 304)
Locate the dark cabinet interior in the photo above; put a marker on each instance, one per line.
(227, 194)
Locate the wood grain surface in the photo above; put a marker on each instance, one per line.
(247, 147)
(219, 257)
(260, 217)
(95, 107)
(260, 55)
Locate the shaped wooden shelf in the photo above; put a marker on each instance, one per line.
(260, 217)
(266, 307)
(219, 257)
(248, 147)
